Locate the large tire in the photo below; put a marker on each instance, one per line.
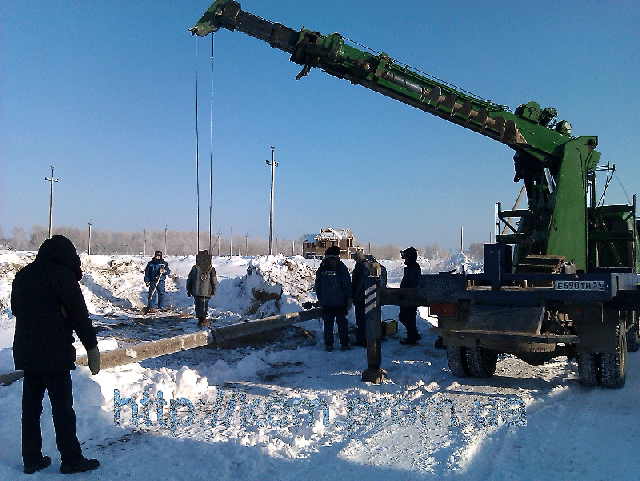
(457, 361)
(482, 362)
(613, 366)
(633, 335)
(589, 368)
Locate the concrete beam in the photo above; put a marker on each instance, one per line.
(161, 347)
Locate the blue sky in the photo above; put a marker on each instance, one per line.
(105, 92)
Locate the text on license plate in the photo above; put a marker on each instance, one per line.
(579, 285)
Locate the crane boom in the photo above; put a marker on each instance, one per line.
(554, 165)
(527, 129)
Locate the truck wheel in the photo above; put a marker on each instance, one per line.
(633, 337)
(482, 362)
(613, 366)
(589, 368)
(457, 361)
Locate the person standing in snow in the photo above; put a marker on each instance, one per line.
(361, 271)
(333, 288)
(49, 307)
(379, 270)
(410, 280)
(201, 284)
(154, 275)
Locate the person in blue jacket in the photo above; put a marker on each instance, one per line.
(333, 288)
(154, 275)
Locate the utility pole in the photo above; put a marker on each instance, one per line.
(273, 165)
(166, 228)
(52, 180)
(89, 242)
(246, 244)
(461, 239)
(219, 234)
(144, 242)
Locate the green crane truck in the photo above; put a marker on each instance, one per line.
(561, 278)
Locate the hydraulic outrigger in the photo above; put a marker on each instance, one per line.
(563, 281)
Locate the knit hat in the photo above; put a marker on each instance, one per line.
(410, 254)
(332, 251)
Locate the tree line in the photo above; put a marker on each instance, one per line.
(171, 242)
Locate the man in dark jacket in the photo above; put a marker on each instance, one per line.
(333, 288)
(154, 275)
(410, 279)
(201, 284)
(361, 271)
(48, 305)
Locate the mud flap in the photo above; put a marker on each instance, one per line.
(526, 320)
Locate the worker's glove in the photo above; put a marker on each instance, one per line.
(162, 270)
(93, 359)
(147, 284)
(188, 294)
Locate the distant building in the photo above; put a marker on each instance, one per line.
(314, 245)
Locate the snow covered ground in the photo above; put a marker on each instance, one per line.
(288, 410)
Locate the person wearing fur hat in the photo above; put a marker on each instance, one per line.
(333, 288)
(201, 284)
(49, 307)
(410, 279)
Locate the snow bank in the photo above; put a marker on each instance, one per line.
(289, 410)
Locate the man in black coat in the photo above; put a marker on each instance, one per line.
(410, 279)
(333, 288)
(48, 305)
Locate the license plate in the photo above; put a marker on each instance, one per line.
(579, 285)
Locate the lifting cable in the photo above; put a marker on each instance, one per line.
(211, 155)
(198, 155)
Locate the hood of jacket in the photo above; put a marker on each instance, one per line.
(203, 260)
(60, 250)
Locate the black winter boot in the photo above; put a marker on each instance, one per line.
(81, 466)
(44, 462)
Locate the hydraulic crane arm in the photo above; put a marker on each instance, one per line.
(553, 164)
(527, 130)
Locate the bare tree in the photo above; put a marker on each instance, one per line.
(476, 251)
(435, 252)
